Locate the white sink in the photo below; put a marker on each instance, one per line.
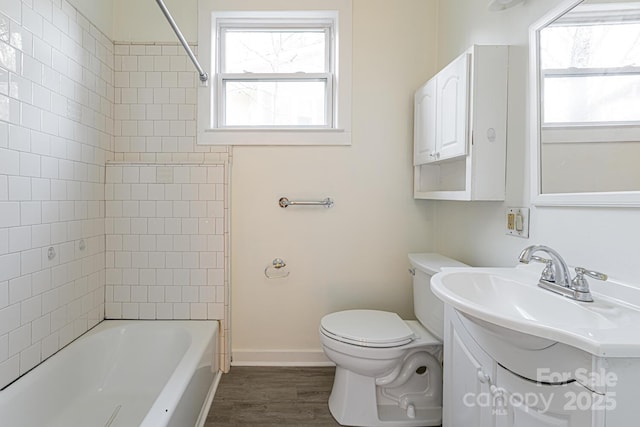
(510, 297)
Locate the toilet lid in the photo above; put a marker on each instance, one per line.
(367, 328)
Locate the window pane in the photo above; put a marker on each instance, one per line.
(590, 46)
(265, 103)
(275, 51)
(592, 99)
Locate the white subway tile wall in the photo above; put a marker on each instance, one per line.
(167, 198)
(165, 241)
(56, 134)
(155, 106)
(76, 107)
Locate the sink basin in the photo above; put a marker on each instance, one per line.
(510, 297)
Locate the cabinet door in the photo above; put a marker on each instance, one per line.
(452, 93)
(424, 133)
(530, 404)
(467, 397)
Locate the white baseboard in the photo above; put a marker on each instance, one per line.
(279, 358)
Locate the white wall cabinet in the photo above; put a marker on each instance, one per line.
(424, 132)
(441, 114)
(460, 121)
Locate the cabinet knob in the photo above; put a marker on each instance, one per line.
(482, 377)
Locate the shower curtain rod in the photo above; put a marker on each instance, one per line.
(204, 77)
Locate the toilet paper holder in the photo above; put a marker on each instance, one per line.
(276, 267)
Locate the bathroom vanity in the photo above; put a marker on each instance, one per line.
(519, 355)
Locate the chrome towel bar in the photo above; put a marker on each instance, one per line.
(284, 202)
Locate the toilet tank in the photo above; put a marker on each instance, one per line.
(428, 309)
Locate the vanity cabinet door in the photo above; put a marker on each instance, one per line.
(452, 113)
(525, 403)
(468, 374)
(425, 124)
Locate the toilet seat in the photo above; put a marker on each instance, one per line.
(367, 328)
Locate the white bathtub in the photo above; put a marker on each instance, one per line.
(121, 374)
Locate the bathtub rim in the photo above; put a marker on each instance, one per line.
(177, 380)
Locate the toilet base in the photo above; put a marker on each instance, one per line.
(353, 403)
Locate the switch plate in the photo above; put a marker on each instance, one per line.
(517, 222)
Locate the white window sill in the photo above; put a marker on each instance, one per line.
(324, 137)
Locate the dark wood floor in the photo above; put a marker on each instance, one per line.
(273, 396)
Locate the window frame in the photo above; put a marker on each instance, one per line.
(589, 15)
(226, 24)
(551, 73)
(216, 13)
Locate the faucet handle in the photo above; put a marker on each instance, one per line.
(548, 273)
(537, 258)
(591, 273)
(579, 283)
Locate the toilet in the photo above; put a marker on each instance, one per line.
(389, 370)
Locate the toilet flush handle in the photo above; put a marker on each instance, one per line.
(412, 271)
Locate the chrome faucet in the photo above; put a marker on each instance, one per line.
(556, 277)
(558, 266)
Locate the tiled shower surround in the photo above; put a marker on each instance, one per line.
(167, 198)
(76, 108)
(165, 241)
(56, 102)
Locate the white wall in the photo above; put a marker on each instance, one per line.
(140, 20)
(98, 12)
(143, 21)
(353, 255)
(604, 239)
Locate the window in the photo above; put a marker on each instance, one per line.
(274, 74)
(591, 70)
(278, 77)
